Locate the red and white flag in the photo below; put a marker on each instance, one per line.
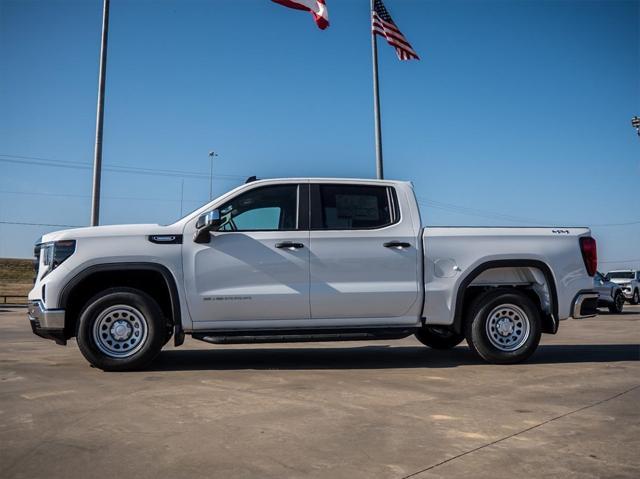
(383, 25)
(317, 8)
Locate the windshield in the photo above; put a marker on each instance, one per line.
(620, 275)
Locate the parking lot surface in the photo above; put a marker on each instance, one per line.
(330, 410)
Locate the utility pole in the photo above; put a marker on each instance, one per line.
(212, 154)
(97, 155)
(376, 102)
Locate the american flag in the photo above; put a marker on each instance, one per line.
(383, 25)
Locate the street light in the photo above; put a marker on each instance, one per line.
(211, 155)
(635, 122)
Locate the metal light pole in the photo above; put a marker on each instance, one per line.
(97, 155)
(635, 122)
(376, 102)
(212, 154)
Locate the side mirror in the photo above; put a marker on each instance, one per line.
(205, 224)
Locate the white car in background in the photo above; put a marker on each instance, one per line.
(629, 281)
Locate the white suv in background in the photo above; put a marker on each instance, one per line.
(629, 281)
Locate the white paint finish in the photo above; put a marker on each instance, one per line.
(247, 277)
(111, 244)
(471, 247)
(243, 276)
(339, 278)
(354, 276)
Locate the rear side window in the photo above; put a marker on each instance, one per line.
(350, 207)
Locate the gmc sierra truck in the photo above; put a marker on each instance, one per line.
(292, 260)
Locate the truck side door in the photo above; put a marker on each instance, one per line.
(364, 258)
(256, 266)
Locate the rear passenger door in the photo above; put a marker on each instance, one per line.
(363, 254)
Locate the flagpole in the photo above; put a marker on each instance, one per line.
(97, 156)
(376, 101)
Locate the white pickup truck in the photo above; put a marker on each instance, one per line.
(290, 260)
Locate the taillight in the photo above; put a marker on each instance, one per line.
(589, 254)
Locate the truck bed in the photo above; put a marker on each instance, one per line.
(460, 256)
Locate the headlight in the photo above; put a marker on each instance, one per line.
(55, 253)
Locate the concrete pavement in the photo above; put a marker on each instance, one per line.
(331, 410)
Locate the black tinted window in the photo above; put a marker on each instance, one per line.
(354, 207)
(270, 208)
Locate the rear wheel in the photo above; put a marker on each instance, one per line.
(438, 337)
(121, 329)
(618, 303)
(503, 327)
(636, 297)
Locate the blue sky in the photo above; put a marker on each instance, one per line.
(518, 113)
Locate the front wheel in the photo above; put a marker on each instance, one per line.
(636, 297)
(121, 329)
(503, 327)
(438, 337)
(618, 304)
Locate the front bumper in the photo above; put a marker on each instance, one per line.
(628, 293)
(585, 305)
(47, 323)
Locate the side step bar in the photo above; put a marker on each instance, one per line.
(274, 336)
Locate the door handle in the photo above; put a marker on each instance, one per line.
(289, 245)
(396, 244)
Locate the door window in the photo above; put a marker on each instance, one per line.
(268, 208)
(347, 207)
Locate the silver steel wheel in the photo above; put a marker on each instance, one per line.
(508, 327)
(120, 331)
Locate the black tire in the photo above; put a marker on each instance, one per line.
(618, 304)
(636, 297)
(439, 337)
(509, 310)
(135, 306)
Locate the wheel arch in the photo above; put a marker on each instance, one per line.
(464, 295)
(84, 282)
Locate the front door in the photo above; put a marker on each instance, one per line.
(256, 265)
(364, 257)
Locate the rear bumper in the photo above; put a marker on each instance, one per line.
(47, 323)
(585, 305)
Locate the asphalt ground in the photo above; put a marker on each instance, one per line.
(329, 410)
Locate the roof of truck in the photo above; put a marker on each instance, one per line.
(323, 179)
